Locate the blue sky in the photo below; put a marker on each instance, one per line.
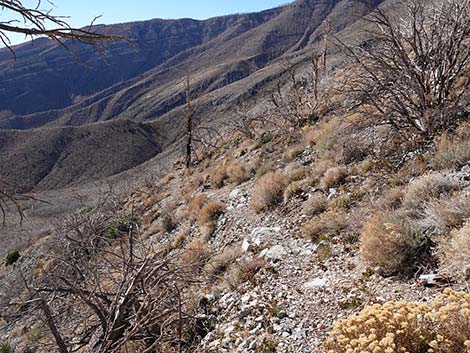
(81, 12)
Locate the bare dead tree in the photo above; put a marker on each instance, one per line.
(413, 74)
(304, 100)
(246, 120)
(191, 109)
(38, 22)
(7, 200)
(196, 134)
(110, 293)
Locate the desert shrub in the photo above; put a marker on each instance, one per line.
(391, 199)
(393, 243)
(315, 205)
(334, 177)
(208, 216)
(194, 207)
(442, 326)
(426, 188)
(218, 176)
(442, 215)
(12, 257)
(293, 152)
(328, 224)
(454, 252)
(237, 173)
(451, 153)
(268, 191)
(296, 188)
(264, 169)
(297, 173)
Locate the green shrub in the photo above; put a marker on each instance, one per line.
(6, 347)
(12, 257)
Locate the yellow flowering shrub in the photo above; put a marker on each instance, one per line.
(437, 327)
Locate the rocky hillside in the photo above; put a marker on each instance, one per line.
(322, 218)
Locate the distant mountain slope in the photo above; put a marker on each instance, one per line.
(45, 77)
(216, 53)
(227, 58)
(54, 158)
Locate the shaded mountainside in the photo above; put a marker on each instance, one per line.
(56, 157)
(228, 58)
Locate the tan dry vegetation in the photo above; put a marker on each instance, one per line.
(325, 225)
(268, 191)
(315, 205)
(334, 177)
(238, 173)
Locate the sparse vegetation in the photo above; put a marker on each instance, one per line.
(325, 225)
(393, 243)
(237, 173)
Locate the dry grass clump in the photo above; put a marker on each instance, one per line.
(442, 326)
(243, 271)
(293, 152)
(325, 135)
(328, 224)
(264, 169)
(454, 253)
(451, 153)
(334, 177)
(218, 176)
(208, 216)
(392, 243)
(218, 264)
(268, 191)
(315, 205)
(426, 188)
(237, 173)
